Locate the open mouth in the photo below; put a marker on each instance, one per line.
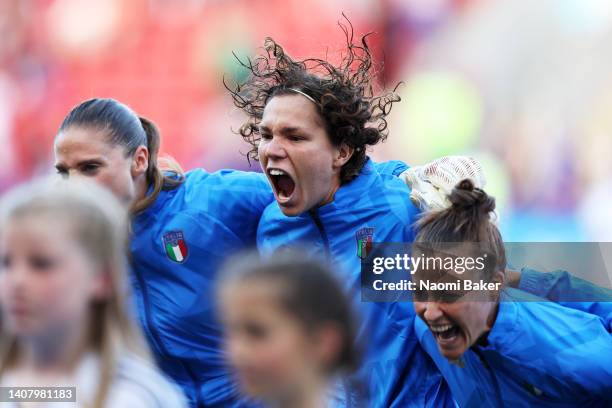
(284, 186)
(446, 333)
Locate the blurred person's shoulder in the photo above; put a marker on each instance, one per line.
(138, 383)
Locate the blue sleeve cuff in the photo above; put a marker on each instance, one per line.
(561, 286)
(536, 283)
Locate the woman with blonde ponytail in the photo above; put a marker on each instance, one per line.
(63, 286)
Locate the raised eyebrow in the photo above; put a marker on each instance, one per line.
(290, 129)
(283, 130)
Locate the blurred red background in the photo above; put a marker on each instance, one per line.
(525, 87)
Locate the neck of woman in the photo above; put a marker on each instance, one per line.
(483, 339)
(311, 395)
(335, 185)
(58, 351)
(141, 185)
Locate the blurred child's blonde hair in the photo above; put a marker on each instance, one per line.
(99, 224)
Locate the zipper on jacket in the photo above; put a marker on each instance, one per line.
(319, 224)
(151, 329)
(317, 220)
(484, 362)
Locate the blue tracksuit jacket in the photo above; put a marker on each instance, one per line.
(395, 372)
(176, 246)
(537, 354)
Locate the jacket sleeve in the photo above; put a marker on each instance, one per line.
(552, 341)
(563, 288)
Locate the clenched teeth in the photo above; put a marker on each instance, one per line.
(439, 329)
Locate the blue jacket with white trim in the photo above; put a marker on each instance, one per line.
(537, 354)
(215, 215)
(396, 372)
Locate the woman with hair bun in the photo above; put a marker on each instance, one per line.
(498, 346)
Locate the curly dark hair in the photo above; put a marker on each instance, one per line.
(352, 113)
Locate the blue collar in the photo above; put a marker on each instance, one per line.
(505, 329)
